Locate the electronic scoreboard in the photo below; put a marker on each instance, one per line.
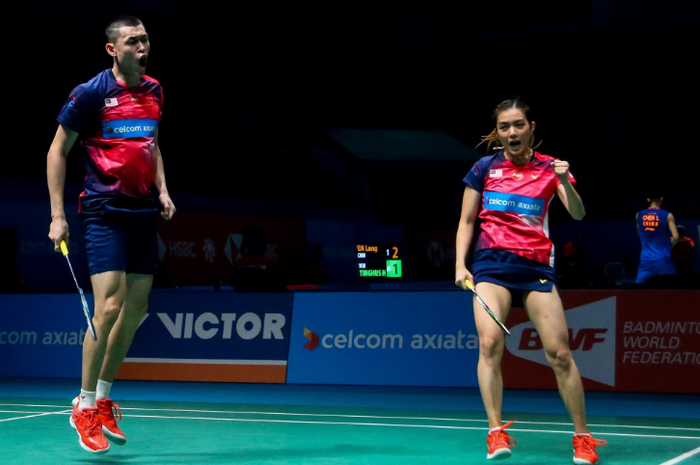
(382, 261)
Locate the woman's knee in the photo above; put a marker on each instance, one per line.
(491, 348)
(559, 357)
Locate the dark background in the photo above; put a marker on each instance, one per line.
(250, 85)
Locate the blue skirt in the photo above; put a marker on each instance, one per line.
(512, 271)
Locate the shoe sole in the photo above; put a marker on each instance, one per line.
(583, 461)
(115, 438)
(80, 441)
(499, 454)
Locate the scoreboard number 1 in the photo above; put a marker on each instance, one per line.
(371, 264)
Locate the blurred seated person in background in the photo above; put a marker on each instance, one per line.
(254, 271)
(683, 253)
(317, 273)
(11, 278)
(574, 259)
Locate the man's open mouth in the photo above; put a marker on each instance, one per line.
(142, 61)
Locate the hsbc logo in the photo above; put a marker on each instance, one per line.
(593, 346)
(232, 249)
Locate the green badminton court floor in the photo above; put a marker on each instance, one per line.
(287, 428)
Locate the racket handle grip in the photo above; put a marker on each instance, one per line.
(64, 248)
(469, 284)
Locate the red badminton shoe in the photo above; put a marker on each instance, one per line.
(89, 429)
(109, 414)
(500, 442)
(584, 449)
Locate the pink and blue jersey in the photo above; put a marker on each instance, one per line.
(117, 126)
(515, 204)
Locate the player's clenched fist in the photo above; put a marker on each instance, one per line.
(561, 168)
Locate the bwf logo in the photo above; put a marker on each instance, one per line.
(584, 339)
(312, 337)
(593, 347)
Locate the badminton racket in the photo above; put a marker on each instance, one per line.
(86, 309)
(470, 286)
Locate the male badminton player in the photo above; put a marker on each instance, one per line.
(658, 234)
(115, 118)
(510, 193)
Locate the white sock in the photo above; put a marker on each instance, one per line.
(87, 400)
(103, 389)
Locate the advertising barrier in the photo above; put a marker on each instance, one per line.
(186, 336)
(41, 335)
(212, 336)
(383, 338)
(621, 340)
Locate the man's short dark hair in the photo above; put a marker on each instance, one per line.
(112, 31)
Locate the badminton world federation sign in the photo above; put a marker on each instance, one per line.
(591, 329)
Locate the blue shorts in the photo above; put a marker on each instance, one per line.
(512, 271)
(648, 268)
(121, 240)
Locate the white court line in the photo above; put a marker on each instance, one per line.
(385, 417)
(394, 425)
(673, 461)
(206, 361)
(34, 405)
(379, 417)
(62, 412)
(680, 458)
